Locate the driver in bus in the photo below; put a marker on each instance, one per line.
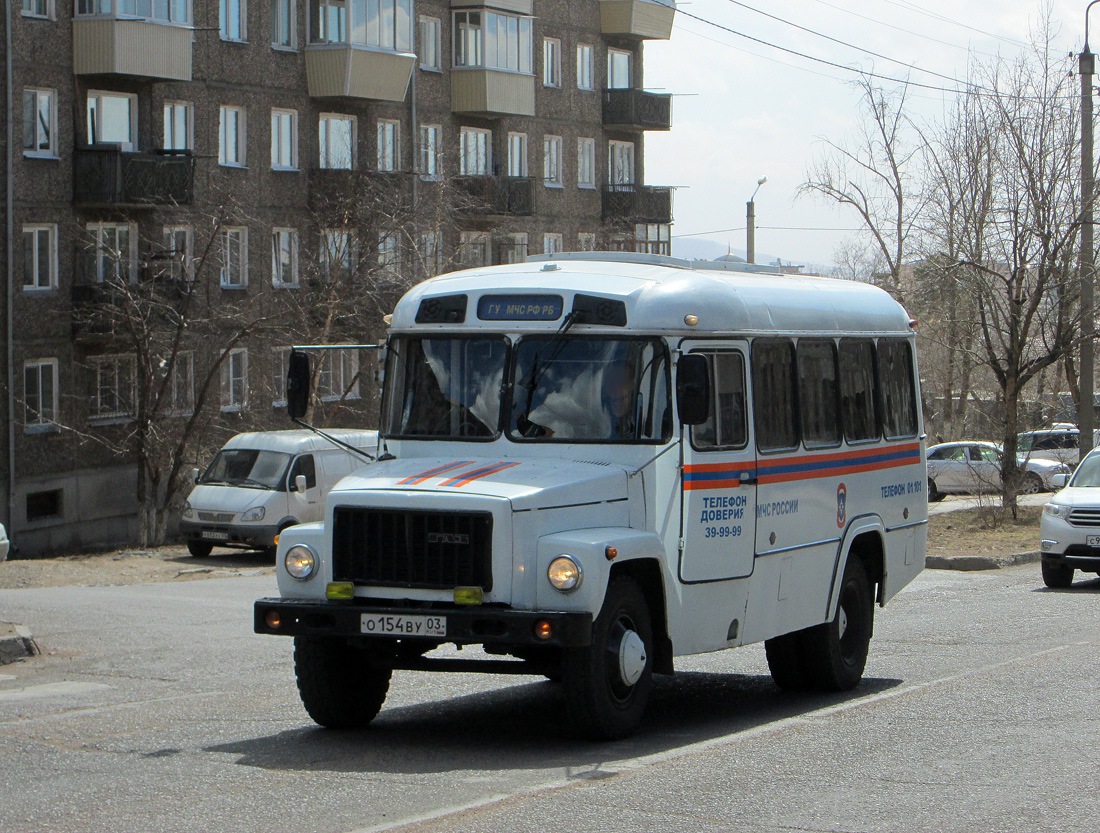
(619, 397)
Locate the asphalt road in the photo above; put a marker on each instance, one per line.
(155, 708)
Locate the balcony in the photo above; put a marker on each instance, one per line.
(345, 70)
(105, 176)
(637, 204)
(640, 19)
(116, 46)
(105, 311)
(377, 193)
(637, 110)
(508, 195)
(492, 92)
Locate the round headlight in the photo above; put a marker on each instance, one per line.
(564, 573)
(256, 513)
(300, 562)
(188, 512)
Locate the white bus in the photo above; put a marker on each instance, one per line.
(591, 464)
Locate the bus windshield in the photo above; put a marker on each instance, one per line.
(247, 467)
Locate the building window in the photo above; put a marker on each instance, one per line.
(430, 253)
(337, 141)
(620, 163)
(475, 151)
(389, 145)
(385, 24)
(39, 257)
(233, 19)
(653, 238)
(179, 252)
(517, 154)
(552, 244)
(475, 248)
(182, 385)
(585, 64)
(336, 256)
(430, 149)
(114, 386)
(113, 252)
(618, 69)
(235, 380)
(43, 505)
(515, 251)
(389, 256)
(39, 395)
(551, 161)
(492, 40)
(586, 163)
(112, 119)
(234, 257)
(38, 8)
(284, 140)
(39, 120)
(284, 257)
(284, 27)
(551, 62)
(586, 242)
(431, 43)
(280, 365)
(231, 137)
(179, 132)
(156, 11)
(339, 375)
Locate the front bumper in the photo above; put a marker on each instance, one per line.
(1078, 556)
(465, 626)
(230, 534)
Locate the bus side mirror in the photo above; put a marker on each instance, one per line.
(693, 389)
(297, 384)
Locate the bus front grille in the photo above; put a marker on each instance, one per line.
(408, 548)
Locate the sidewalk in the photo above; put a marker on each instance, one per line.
(16, 643)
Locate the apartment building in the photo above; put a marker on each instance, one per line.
(194, 185)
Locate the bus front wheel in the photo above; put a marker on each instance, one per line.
(607, 683)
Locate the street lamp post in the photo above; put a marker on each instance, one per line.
(750, 219)
(1086, 405)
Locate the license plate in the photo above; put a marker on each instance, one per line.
(215, 534)
(386, 624)
(1092, 540)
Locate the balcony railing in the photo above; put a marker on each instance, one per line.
(637, 110)
(384, 193)
(497, 194)
(637, 203)
(104, 175)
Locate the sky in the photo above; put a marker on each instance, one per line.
(743, 110)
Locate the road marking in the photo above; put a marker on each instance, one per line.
(65, 689)
(7, 677)
(631, 764)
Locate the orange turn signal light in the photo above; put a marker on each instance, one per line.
(543, 629)
(273, 620)
(610, 553)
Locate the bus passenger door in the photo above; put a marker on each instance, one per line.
(718, 486)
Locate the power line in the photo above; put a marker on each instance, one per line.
(913, 7)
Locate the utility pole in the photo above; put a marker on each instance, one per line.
(1086, 406)
(750, 220)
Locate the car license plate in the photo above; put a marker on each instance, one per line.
(215, 534)
(386, 624)
(1092, 540)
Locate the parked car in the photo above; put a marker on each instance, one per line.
(975, 467)
(1061, 442)
(1069, 531)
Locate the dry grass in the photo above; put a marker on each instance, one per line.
(983, 531)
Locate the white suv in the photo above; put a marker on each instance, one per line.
(1069, 531)
(1059, 443)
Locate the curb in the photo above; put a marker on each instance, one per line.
(980, 562)
(16, 643)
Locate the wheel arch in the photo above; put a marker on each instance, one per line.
(864, 539)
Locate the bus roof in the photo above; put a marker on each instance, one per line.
(659, 292)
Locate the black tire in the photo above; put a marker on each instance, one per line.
(934, 494)
(1059, 576)
(1032, 484)
(602, 703)
(835, 652)
(785, 661)
(199, 549)
(340, 686)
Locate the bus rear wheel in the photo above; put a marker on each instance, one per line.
(836, 651)
(607, 684)
(340, 685)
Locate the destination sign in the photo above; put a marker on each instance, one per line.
(519, 307)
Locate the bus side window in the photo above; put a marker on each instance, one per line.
(899, 405)
(726, 427)
(818, 393)
(857, 390)
(773, 394)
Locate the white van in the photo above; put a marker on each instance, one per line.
(260, 483)
(595, 463)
